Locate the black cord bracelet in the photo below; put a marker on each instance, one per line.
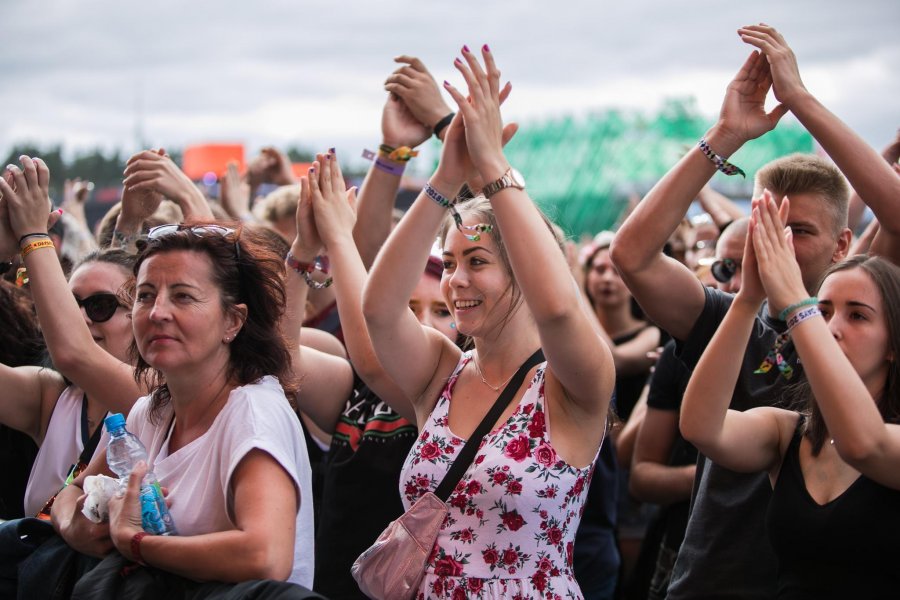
(442, 124)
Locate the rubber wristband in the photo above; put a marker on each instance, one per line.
(442, 124)
(28, 235)
(783, 315)
(136, 547)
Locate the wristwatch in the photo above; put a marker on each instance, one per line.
(511, 178)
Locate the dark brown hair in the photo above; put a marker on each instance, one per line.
(886, 277)
(252, 276)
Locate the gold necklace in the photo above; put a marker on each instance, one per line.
(484, 381)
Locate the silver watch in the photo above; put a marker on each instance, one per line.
(511, 178)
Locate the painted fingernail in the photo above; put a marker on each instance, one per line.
(457, 61)
(59, 210)
(485, 48)
(466, 49)
(332, 150)
(446, 83)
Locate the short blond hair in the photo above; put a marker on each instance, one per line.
(278, 204)
(807, 174)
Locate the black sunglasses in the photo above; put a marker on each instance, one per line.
(99, 307)
(723, 270)
(161, 231)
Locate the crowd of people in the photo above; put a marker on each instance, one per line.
(709, 409)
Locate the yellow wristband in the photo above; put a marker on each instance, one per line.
(42, 243)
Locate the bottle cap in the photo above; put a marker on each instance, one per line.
(114, 421)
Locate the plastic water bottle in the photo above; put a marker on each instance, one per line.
(122, 454)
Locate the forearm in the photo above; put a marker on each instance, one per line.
(229, 556)
(722, 210)
(374, 212)
(661, 484)
(642, 236)
(708, 394)
(850, 413)
(867, 171)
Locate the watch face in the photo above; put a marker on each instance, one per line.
(517, 179)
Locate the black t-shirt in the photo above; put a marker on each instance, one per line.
(726, 551)
(667, 386)
(628, 387)
(361, 487)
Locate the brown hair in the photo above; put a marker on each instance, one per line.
(808, 174)
(480, 207)
(886, 277)
(246, 272)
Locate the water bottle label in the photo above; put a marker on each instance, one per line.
(155, 516)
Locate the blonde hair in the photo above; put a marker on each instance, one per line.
(808, 174)
(278, 204)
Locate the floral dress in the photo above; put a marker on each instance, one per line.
(514, 513)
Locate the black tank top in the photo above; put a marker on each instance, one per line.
(847, 548)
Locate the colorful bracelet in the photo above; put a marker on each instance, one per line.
(136, 547)
(783, 315)
(21, 277)
(721, 164)
(803, 315)
(36, 245)
(442, 124)
(319, 263)
(387, 166)
(444, 202)
(402, 154)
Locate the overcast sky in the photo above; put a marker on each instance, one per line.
(90, 73)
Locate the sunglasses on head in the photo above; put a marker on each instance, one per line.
(99, 307)
(723, 270)
(161, 231)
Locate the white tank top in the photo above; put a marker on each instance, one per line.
(61, 448)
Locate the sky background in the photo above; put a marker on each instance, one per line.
(97, 73)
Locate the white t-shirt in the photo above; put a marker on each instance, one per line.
(198, 475)
(60, 449)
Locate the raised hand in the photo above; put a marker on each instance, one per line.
(398, 125)
(413, 84)
(271, 166)
(153, 170)
(780, 59)
(308, 243)
(334, 206)
(773, 243)
(234, 194)
(26, 195)
(743, 115)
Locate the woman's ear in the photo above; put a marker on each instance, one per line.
(235, 319)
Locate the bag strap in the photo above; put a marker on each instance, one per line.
(467, 454)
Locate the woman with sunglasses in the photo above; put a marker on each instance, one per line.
(219, 430)
(87, 333)
(513, 515)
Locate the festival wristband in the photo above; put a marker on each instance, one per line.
(36, 245)
(803, 315)
(721, 164)
(783, 315)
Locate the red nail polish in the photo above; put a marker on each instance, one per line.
(485, 48)
(466, 49)
(457, 61)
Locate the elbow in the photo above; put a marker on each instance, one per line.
(637, 484)
(859, 453)
(268, 562)
(624, 254)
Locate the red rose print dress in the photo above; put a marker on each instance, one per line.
(514, 514)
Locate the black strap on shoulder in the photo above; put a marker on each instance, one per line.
(89, 440)
(467, 454)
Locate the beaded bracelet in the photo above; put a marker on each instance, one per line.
(319, 263)
(783, 315)
(803, 315)
(36, 245)
(721, 164)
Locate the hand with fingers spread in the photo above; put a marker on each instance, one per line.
(743, 114)
(414, 85)
(154, 170)
(234, 194)
(773, 244)
(334, 206)
(481, 113)
(780, 60)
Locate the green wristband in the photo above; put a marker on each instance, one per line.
(783, 315)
